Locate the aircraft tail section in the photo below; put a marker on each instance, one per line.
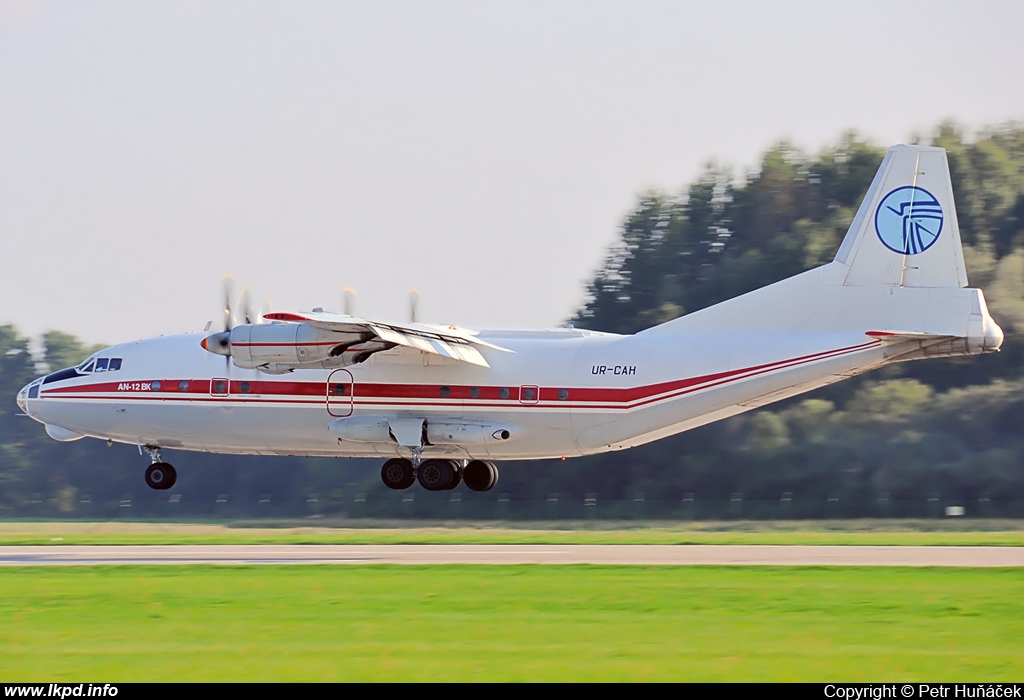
(905, 233)
(900, 270)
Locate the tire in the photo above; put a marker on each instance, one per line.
(456, 477)
(436, 474)
(480, 475)
(160, 476)
(172, 477)
(397, 474)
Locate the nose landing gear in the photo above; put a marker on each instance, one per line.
(159, 475)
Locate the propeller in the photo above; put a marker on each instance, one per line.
(220, 343)
(348, 300)
(414, 302)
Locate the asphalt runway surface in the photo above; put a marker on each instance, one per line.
(638, 555)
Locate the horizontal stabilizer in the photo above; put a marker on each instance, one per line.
(900, 336)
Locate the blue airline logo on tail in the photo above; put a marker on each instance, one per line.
(909, 220)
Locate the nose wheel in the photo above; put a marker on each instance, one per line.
(160, 476)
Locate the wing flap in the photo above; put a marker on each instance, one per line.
(454, 343)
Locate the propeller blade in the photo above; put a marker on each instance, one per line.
(348, 299)
(229, 285)
(414, 302)
(246, 304)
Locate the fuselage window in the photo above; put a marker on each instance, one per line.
(563, 394)
(474, 392)
(101, 364)
(339, 389)
(156, 385)
(220, 387)
(183, 385)
(503, 392)
(529, 394)
(245, 387)
(445, 392)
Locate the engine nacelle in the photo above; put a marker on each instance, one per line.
(286, 345)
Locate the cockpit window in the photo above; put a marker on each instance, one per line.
(69, 373)
(100, 364)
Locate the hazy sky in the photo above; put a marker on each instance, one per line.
(484, 152)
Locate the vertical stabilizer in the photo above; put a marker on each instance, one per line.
(905, 233)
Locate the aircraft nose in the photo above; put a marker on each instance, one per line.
(23, 399)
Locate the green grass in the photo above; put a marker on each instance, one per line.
(509, 623)
(845, 532)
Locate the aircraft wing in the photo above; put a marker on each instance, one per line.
(446, 341)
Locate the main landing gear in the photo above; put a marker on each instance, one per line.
(439, 474)
(159, 475)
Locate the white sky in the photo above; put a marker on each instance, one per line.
(484, 152)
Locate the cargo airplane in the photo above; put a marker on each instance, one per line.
(442, 404)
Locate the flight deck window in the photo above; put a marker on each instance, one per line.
(115, 364)
(101, 364)
(69, 373)
(88, 367)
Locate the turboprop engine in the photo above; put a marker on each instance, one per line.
(277, 347)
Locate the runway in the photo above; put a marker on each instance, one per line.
(636, 555)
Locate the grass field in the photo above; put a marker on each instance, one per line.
(505, 623)
(842, 532)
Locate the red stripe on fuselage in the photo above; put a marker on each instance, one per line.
(379, 394)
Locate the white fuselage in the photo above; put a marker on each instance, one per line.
(582, 382)
(591, 392)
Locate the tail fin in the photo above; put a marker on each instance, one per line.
(905, 233)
